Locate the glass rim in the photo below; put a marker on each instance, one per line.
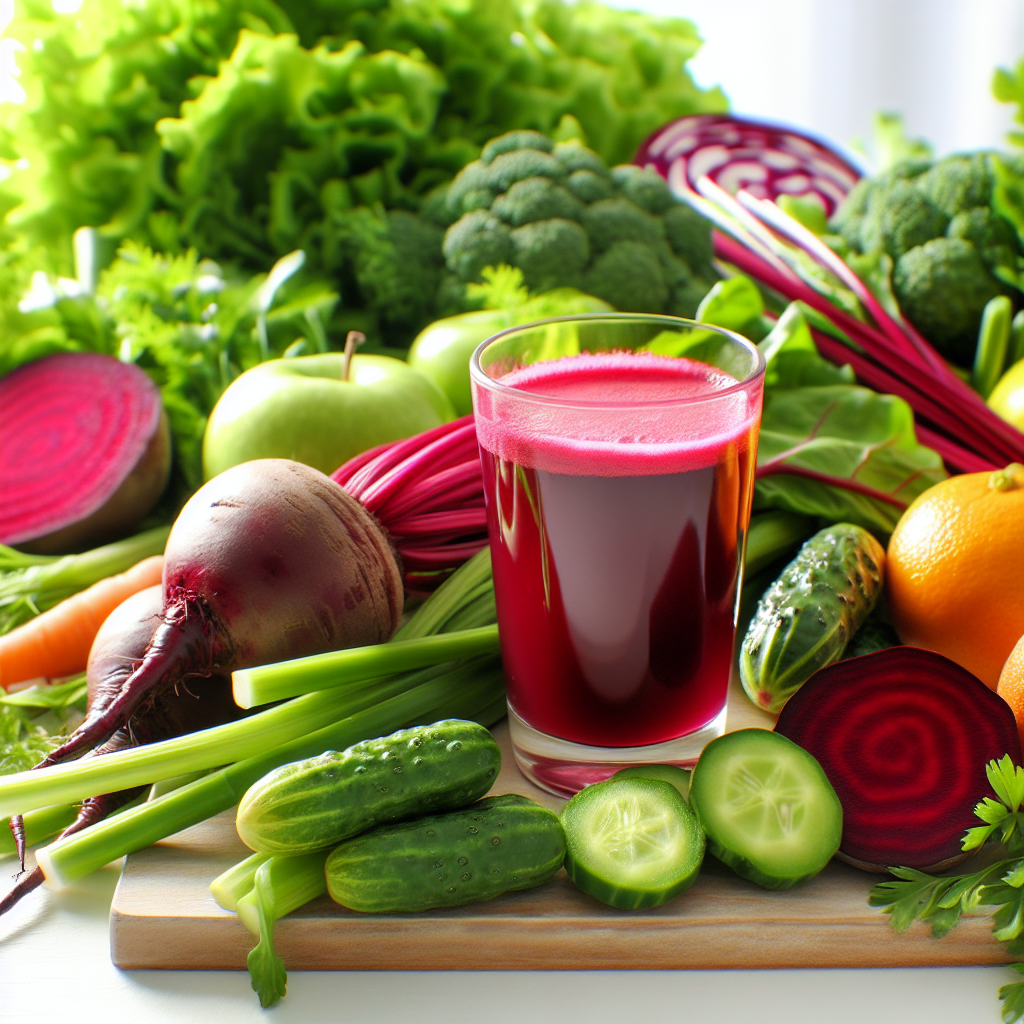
(479, 376)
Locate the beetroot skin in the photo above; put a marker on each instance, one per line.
(904, 736)
(84, 451)
(269, 561)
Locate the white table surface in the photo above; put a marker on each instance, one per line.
(55, 967)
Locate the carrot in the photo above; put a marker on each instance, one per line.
(57, 642)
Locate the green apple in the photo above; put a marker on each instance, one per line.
(1007, 398)
(302, 409)
(441, 351)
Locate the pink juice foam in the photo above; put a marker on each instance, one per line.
(616, 526)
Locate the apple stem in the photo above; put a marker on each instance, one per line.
(352, 340)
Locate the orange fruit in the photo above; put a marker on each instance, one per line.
(955, 570)
(1011, 684)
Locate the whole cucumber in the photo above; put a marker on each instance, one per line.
(312, 804)
(808, 615)
(498, 845)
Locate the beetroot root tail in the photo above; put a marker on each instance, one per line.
(180, 646)
(94, 809)
(17, 826)
(22, 887)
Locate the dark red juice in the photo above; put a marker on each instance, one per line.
(616, 556)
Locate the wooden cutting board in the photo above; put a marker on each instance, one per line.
(162, 916)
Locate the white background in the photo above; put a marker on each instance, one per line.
(828, 65)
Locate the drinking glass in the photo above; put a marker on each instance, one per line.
(618, 455)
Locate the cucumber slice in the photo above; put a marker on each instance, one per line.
(632, 842)
(767, 807)
(671, 773)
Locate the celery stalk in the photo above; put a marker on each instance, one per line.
(294, 882)
(993, 343)
(472, 581)
(464, 691)
(281, 885)
(235, 741)
(269, 683)
(266, 969)
(208, 748)
(231, 885)
(40, 825)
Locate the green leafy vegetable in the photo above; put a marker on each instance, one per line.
(58, 697)
(1008, 87)
(863, 441)
(828, 447)
(37, 720)
(249, 128)
(941, 901)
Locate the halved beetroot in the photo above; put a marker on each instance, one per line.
(85, 451)
(903, 735)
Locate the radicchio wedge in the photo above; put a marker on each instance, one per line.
(903, 735)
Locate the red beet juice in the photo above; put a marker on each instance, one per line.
(616, 541)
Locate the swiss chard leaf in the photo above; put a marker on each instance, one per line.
(848, 432)
(732, 304)
(791, 357)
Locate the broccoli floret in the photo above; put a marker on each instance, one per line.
(849, 217)
(646, 188)
(685, 290)
(629, 276)
(686, 299)
(618, 220)
(396, 261)
(686, 232)
(574, 156)
(550, 253)
(508, 168)
(588, 187)
(943, 286)
(957, 183)
(951, 251)
(511, 141)
(536, 199)
(434, 207)
(898, 218)
(564, 219)
(992, 235)
(475, 241)
(470, 190)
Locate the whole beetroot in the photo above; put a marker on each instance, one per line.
(269, 561)
(118, 649)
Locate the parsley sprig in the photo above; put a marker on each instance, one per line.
(941, 901)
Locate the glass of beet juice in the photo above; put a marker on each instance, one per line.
(618, 455)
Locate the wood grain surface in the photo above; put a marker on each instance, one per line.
(163, 916)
